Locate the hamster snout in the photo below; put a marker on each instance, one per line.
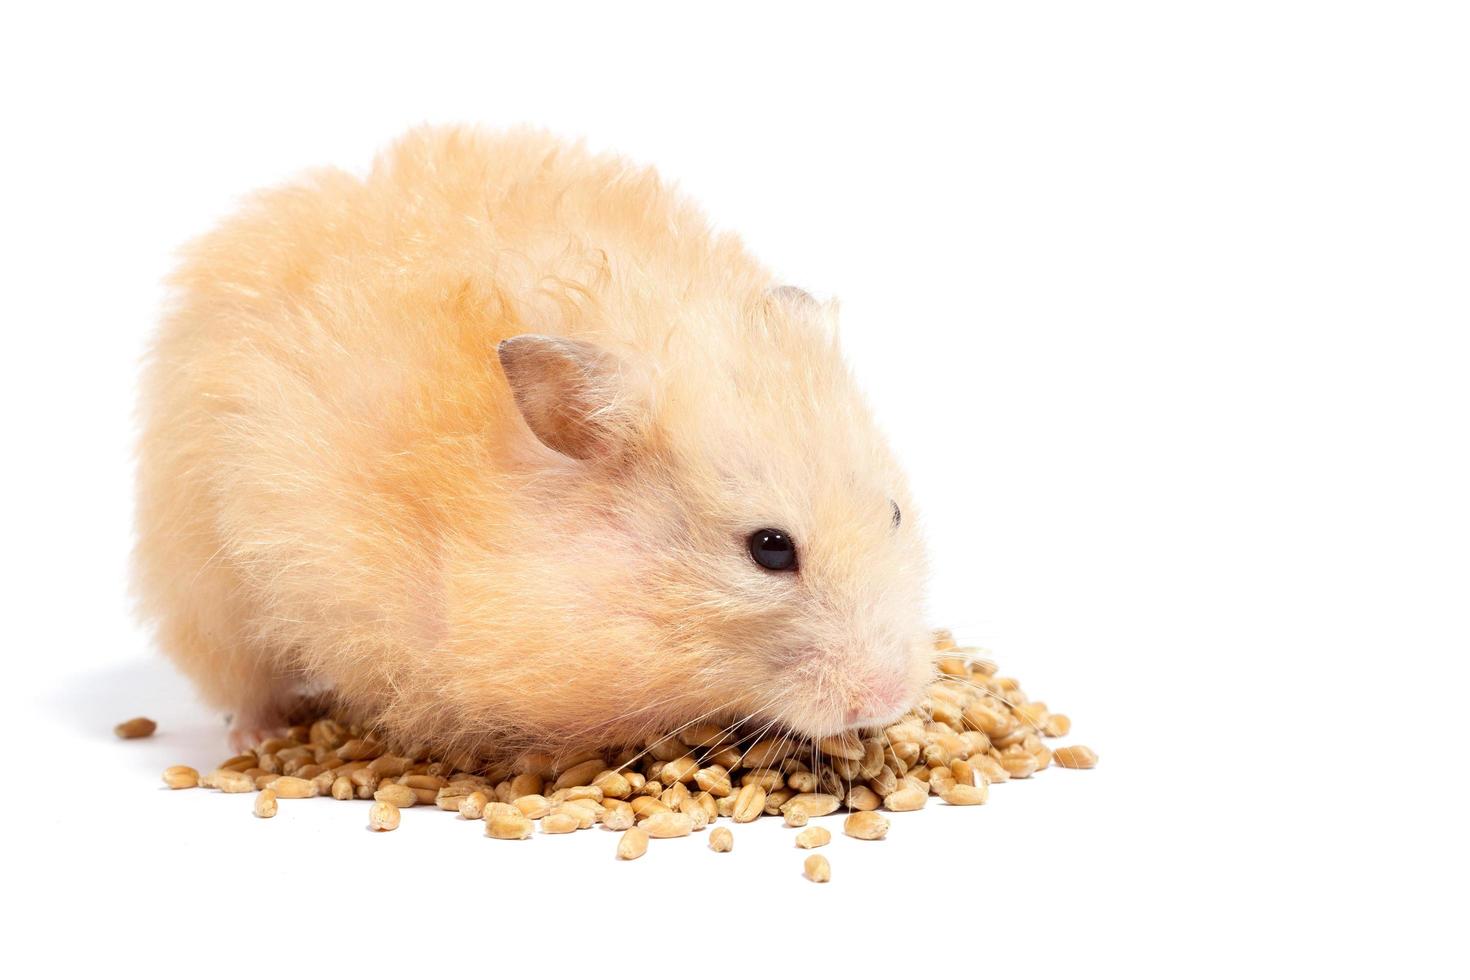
(502, 445)
(862, 691)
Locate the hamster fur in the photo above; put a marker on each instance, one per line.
(348, 484)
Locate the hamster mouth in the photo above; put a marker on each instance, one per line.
(829, 695)
(858, 719)
(790, 722)
(880, 703)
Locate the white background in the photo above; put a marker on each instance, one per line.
(1165, 308)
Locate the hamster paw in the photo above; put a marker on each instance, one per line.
(247, 733)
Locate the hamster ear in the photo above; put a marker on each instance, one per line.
(569, 392)
(797, 304)
(794, 297)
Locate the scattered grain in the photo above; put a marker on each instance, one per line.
(136, 728)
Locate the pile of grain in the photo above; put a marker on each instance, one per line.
(971, 730)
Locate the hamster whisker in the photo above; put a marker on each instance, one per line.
(756, 738)
(999, 697)
(695, 721)
(979, 687)
(641, 709)
(731, 728)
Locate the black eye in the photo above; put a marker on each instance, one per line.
(897, 514)
(773, 549)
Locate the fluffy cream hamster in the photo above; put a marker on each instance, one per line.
(501, 444)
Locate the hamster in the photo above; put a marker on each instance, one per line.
(501, 445)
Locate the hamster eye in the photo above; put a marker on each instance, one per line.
(897, 514)
(773, 549)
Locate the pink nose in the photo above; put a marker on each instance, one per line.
(884, 696)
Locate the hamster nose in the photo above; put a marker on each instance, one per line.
(882, 699)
